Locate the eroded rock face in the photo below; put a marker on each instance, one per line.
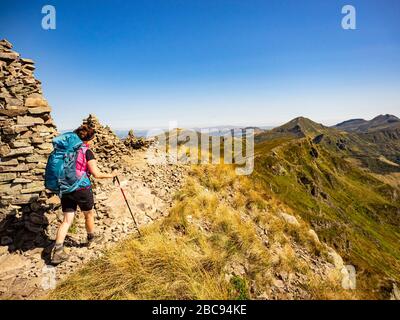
(27, 130)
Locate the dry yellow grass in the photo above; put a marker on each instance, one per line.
(213, 227)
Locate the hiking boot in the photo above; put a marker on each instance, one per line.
(59, 255)
(94, 239)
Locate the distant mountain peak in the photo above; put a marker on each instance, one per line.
(300, 127)
(361, 125)
(302, 120)
(386, 117)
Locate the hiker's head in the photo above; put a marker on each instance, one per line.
(85, 133)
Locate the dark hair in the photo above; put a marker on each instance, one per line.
(85, 132)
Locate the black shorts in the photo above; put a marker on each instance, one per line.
(82, 198)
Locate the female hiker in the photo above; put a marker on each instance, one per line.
(82, 197)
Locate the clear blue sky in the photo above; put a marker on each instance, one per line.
(144, 63)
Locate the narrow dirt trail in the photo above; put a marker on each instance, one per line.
(149, 189)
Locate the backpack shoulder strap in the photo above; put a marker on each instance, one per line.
(81, 162)
(84, 148)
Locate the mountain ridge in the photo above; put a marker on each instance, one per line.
(361, 125)
(336, 180)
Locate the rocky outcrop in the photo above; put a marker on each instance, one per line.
(395, 294)
(106, 145)
(26, 132)
(135, 143)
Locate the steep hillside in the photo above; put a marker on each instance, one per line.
(376, 143)
(377, 150)
(348, 207)
(222, 239)
(387, 140)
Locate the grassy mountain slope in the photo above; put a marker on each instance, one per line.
(377, 149)
(223, 239)
(349, 208)
(375, 143)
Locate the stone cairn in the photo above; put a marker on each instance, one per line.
(106, 145)
(135, 143)
(109, 151)
(25, 143)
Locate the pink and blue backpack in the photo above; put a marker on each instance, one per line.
(66, 169)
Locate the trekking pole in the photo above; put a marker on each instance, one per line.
(129, 207)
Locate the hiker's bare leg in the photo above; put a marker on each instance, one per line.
(89, 221)
(64, 227)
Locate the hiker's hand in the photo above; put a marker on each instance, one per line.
(114, 173)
